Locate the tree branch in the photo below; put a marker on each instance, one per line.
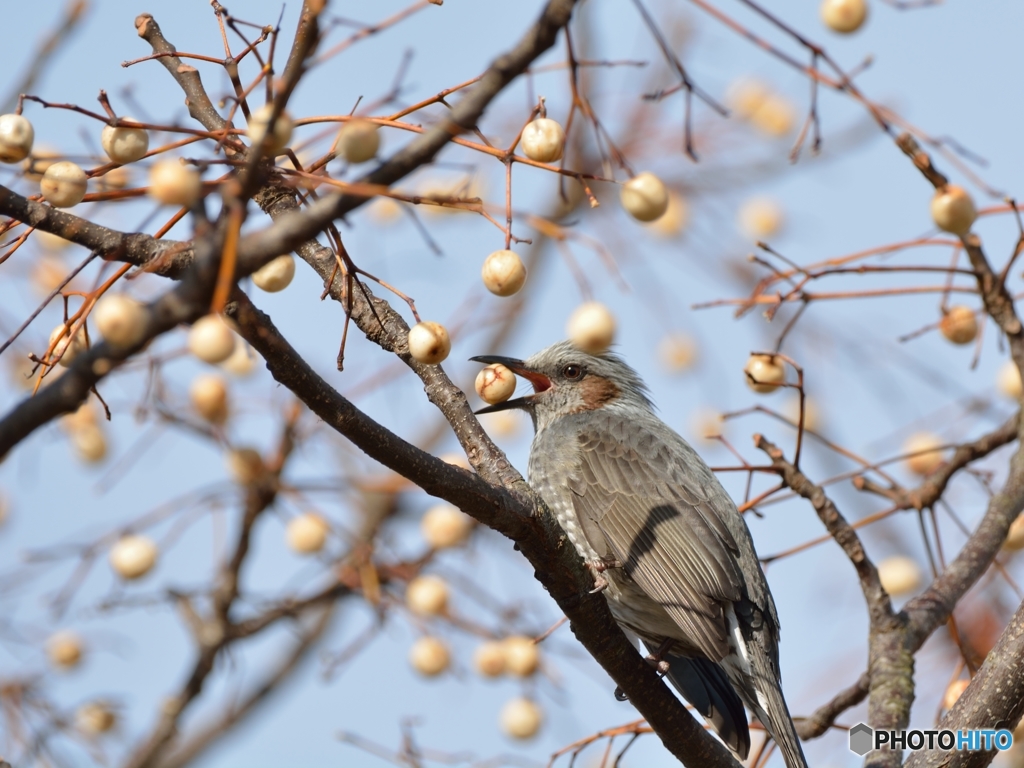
(994, 699)
(519, 515)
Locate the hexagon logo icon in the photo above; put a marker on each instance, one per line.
(861, 739)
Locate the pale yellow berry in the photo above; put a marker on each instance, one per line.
(275, 275)
(521, 718)
(1008, 380)
(775, 116)
(49, 241)
(760, 218)
(90, 444)
(307, 533)
(245, 465)
(429, 342)
(358, 141)
(123, 144)
(22, 371)
(899, 575)
(591, 327)
(172, 183)
(764, 373)
(677, 351)
(115, 178)
(954, 692)
(65, 649)
(503, 273)
(429, 656)
(844, 16)
(64, 184)
(95, 718)
(543, 140)
(16, 137)
(64, 346)
(644, 197)
(210, 339)
(1015, 536)
(812, 416)
(48, 273)
(242, 360)
(953, 210)
(133, 556)
(522, 656)
(444, 526)
(41, 158)
(84, 417)
(427, 595)
(489, 659)
(745, 96)
(209, 395)
(456, 460)
(259, 122)
(924, 454)
(501, 424)
(675, 218)
(495, 384)
(959, 325)
(120, 319)
(568, 194)
(706, 424)
(384, 210)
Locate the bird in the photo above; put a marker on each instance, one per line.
(664, 540)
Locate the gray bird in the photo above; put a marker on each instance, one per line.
(665, 542)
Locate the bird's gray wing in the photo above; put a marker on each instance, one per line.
(662, 528)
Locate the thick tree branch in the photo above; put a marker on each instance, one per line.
(932, 608)
(200, 107)
(879, 606)
(517, 514)
(994, 699)
(890, 666)
(169, 257)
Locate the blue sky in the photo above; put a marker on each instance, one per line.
(947, 69)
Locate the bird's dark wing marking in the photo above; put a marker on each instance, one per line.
(669, 540)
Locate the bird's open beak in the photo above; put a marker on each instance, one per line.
(518, 367)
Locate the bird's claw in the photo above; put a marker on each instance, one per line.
(657, 659)
(597, 567)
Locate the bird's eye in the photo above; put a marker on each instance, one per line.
(572, 372)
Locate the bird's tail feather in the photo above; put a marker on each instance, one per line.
(771, 707)
(706, 686)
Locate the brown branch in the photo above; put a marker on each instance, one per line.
(879, 606)
(214, 632)
(825, 716)
(515, 512)
(73, 14)
(932, 608)
(135, 248)
(255, 699)
(890, 663)
(994, 699)
(997, 299)
(931, 490)
(200, 107)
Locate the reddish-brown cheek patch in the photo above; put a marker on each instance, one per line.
(596, 392)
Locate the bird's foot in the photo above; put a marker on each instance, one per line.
(657, 659)
(597, 567)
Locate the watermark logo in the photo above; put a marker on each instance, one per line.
(863, 739)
